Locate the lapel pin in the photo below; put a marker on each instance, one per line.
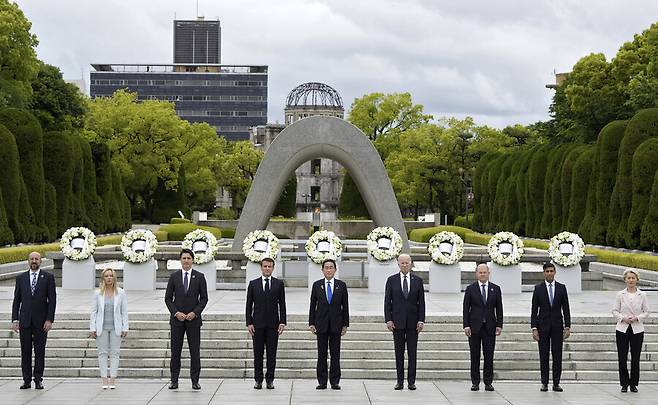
(193, 276)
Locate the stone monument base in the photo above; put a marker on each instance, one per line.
(209, 271)
(139, 276)
(79, 274)
(445, 278)
(508, 278)
(379, 272)
(571, 277)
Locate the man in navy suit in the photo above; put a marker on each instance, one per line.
(551, 322)
(328, 319)
(483, 321)
(186, 297)
(33, 314)
(404, 313)
(266, 320)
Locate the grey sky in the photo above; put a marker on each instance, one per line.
(487, 59)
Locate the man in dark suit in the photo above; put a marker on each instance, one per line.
(404, 313)
(483, 321)
(328, 319)
(186, 297)
(33, 314)
(266, 320)
(551, 322)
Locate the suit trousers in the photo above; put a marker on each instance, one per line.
(623, 341)
(265, 338)
(550, 340)
(486, 340)
(33, 336)
(178, 331)
(333, 342)
(108, 345)
(410, 338)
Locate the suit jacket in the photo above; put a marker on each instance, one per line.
(34, 309)
(545, 317)
(266, 310)
(627, 304)
(329, 318)
(405, 313)
(194, 300)
(475, 311)
(98, 313)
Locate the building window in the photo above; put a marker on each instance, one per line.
(316, 165)
(315, 193)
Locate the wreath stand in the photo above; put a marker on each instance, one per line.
(209, 270)
(379, 272)
(79, 274)
(508, 278)
(139, 276)
(570, 276)
(445, 278)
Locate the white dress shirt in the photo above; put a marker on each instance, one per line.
(626, 304)
(408, 281)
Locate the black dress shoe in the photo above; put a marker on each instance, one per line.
(398, 387)
(624, 389)
(38, 385)
(173, 385)
(475, 387)
(335, 386)
(321, 387)
(633, 388)
(258, 386)
(270, 385)
(196, 386)
(26, 386)
(412, 387)
(544, 388)
(488, 387)
(557, 388)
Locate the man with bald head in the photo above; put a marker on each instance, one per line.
(33, 314)
(404, 312)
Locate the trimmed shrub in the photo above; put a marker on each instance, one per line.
(501, 198)
(77, 201)
(93, 205)
(167, 203)
(480, 190)
(490, 181)
(20, 253)
(6, 235)
(582, 171)
(350, 202)
(178, 231)
(567, 178)
(58, 168)
(463, 221)
(585, 228)
(287, 204)
(176, 220)
(10, 182)
(554, 167)
(522, 193)
(51, 210)
(536, 178)
(33, 233)
(649, 232)
(227, 232)
(557, 212)
(645, 165)
(100, 153)
(223, 213)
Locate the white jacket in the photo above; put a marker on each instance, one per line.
(120, 313)
(627, 304)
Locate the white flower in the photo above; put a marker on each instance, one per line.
(199, 235)
(336, 246)
(141, 256)
(384, 254)
(446, 237)
(260, 235)
(78, 253)
(566, 260)
(505, 260)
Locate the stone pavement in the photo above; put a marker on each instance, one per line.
(302, 392)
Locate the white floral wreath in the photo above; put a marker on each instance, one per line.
(335, 246)
(494, 245)
(384, 254)
(256, 256)
(453, 239)
(207, 239)
(81, 250)
(566, 260)
(132, 256)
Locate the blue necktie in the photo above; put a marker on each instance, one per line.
(329, 292)
(185, 282)
(550, 293)
(33, 286)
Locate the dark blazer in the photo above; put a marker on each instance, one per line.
(475, 311)
(329, 318)
(34, 310)
(543, 316)
(194, 301)
(266, 310)
(405, 313)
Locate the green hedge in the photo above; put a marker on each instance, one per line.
(469, 236)
(6, 235)
(350, 202)
(645, 165)
(582, 170)
(176, 220)
(227, 232)
(286, 206)
(649, 233)
(463, 222)
(10, 182)
(20, 253)
(58, 169)
(178, 231)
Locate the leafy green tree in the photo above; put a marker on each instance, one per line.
(581, 174)
(10, 182)
(57, 104)
(6, 235)
(645, 165)
(568, 169)
(237, 170)
(58, 167)
(287, 204)
(649, 232)
(350, 203)
(167, 203)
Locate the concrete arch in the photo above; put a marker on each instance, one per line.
(311, 138)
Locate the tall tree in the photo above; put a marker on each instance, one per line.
(57, 104)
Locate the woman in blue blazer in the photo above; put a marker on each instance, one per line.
(108, 324)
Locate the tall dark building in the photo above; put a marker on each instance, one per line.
(197, 41)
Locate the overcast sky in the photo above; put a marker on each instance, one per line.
(487, 59)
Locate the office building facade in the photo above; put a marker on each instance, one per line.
(197, 41)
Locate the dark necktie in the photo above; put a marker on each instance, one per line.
(185, 282)
(484, 294)
(405, 287)
(550, 293)
(267, 285)
(33, 286)
(329, 292)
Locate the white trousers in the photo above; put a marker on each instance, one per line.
(108, 344)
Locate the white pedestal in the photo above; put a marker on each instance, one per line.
(209, 271)
(379, 272)
(445, 278)
(253, 271)
(571, 277)
(508, 278)
(139, 276)
(79, 274)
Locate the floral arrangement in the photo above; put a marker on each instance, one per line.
(207, 238)
(494, 249)
(78, 253)
(566, 260)
(335, 246)
(446, 237)
(382, 253)
(253, 255)
(150, 245)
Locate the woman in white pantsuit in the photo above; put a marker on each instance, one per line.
(108, 324)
